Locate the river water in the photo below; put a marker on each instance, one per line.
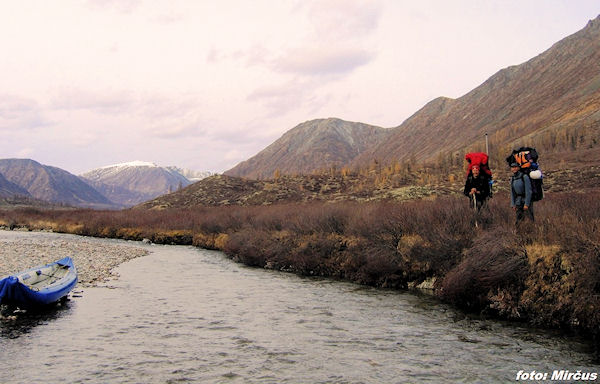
(183, 314)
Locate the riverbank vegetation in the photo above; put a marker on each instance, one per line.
(547, 273)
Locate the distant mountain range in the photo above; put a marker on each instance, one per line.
(109, 187)
(189, 174)
(551, 102)
(131, 183)
(51, 184)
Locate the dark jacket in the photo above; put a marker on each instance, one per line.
(481, 184)
(520, 191)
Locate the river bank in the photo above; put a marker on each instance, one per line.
(183, 314)
(93, 258)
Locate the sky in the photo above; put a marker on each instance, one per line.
(206, 84)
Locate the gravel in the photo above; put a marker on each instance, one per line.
(93, 258)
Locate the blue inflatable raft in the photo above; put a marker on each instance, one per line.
(40, 285)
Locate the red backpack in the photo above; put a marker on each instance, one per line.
(480, 159)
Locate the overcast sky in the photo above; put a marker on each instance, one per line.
(206, 84)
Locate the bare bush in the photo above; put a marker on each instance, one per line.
(547, 271)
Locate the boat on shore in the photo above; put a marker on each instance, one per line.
(39, 286)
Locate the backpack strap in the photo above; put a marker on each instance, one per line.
(519, 177)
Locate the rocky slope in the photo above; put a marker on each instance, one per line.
(8, 189)
(222, 190)
(541, 102)
(312, 145)
(51, 184)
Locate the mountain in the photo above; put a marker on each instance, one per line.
(131, 183)
(551, 102)
(312, 145)
(189, 174)
(51, 184)
(8, 189)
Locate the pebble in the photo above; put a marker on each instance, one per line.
(94, 259)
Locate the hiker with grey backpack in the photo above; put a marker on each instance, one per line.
(525, 183)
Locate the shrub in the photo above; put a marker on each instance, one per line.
(495, 266)
(548, 272)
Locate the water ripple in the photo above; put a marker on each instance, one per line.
(184, 315)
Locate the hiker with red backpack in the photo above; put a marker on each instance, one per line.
(479, 175)
(477, 186)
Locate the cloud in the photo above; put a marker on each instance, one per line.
(281, 98)
(319, 61)
(339, 40)
(170, 18)
(172, 117)
(176, 128)
(344, 19)
(25, 153)
(17, 113)
(247, 134)
(106, 102)
(121, 6)
(213, 56)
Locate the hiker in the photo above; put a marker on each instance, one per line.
(520, 193)
(477, 185)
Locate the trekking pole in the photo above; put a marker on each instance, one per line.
(487, 151)
(475, 209)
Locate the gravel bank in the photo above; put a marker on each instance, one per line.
(94, 258)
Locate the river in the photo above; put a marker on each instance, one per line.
(183, 314)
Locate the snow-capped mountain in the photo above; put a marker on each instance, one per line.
(134, 182)
(191, 175)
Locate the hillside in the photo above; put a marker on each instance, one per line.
(51, 184)
(131, 183)
(219, 190)
(312, 145)
(551, 102)
(8, 189)
(374, 185)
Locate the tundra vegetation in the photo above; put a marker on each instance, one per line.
(545, 274)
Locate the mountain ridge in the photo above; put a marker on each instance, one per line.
(314, 144)
(551, 102)
(557, 89)
(26, 180)
(131, 183)
(52, 184)
(547, 101)
(9, 189)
